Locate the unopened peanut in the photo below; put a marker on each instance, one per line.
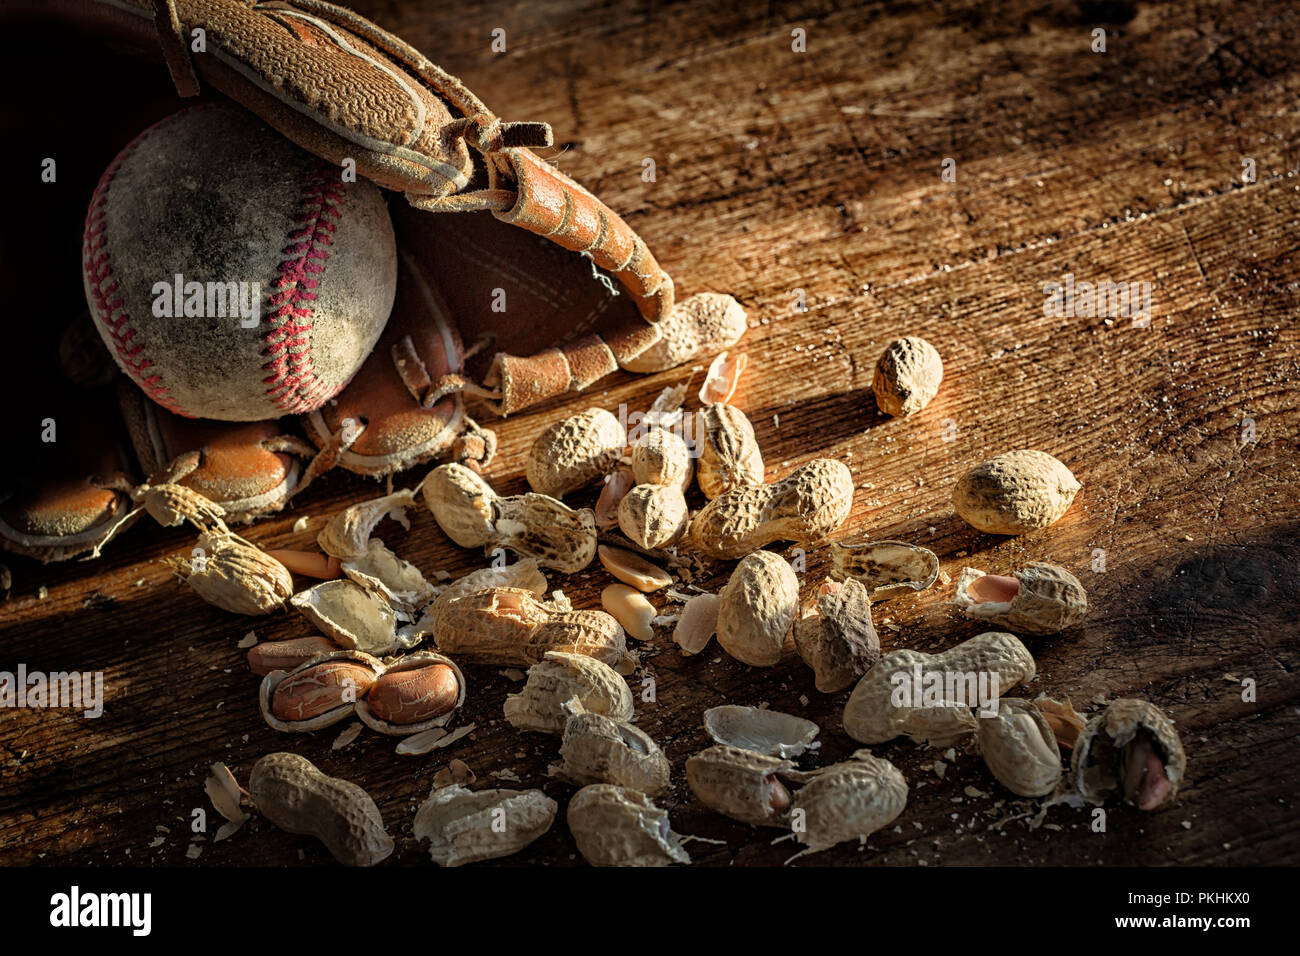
(729, 454)
(1014, 493)
(294, 795)
(703, 324)
(653, 516)
(574, 452)
(931, 697)
(660, 457)
(757, 608)
(907, 377)
(805, 507)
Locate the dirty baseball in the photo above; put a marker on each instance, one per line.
(233, 275)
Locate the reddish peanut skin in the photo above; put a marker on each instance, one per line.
(411, 696)
(318, 689)
(286, 655)
(313, 564)
(994, 588)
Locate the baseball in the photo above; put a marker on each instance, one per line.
(232, 274)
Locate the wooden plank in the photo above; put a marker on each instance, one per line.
(819, 171)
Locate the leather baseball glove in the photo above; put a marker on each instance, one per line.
(474, 210)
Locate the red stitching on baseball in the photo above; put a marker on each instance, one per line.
(98, 271)
(292, 383)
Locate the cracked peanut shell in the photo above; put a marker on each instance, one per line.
(760, 730)
(235, 576)
(615, 826)
(848, 801)
(349, 614)
(401, 583)
(887, 568)
(511, 627)
(742, 784)
(347, 534)
(1114, 754)
(1048, 599)
(836, 636)
(599, 749)
(532, 525)
(544, 705)
(1020, 748)
(464, 826)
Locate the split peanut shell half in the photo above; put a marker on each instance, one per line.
(759, 730)
(1040, 599)
(887, 568)
(599, 749)
(352, 616)
(398, 581)
(464, 826)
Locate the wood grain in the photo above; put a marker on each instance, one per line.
(819, 171)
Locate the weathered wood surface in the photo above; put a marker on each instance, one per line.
(819, 171)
